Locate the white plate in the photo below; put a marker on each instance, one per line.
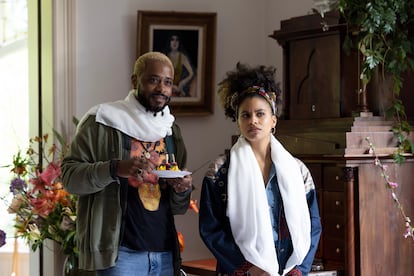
(171, 174)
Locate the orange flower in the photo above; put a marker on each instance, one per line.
(181, 241)
(193, 205)
(19, 170)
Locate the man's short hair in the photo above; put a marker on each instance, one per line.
(143, 60)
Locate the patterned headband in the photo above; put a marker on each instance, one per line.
(268, 96)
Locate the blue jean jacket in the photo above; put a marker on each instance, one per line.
(214, 225)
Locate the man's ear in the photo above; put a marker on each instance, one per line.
(134, 81)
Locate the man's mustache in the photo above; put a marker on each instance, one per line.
(167, 99)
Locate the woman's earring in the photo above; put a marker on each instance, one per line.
(273, 130)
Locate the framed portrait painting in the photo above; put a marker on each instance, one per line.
(189, 40)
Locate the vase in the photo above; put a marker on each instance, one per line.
(70, 265)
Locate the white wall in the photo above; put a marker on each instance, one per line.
(106, 50)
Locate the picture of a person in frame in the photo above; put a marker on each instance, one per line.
(182, 59)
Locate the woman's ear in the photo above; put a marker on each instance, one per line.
(274, 118)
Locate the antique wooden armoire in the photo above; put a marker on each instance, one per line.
(362, 228)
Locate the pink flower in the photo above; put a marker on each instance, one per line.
(408, 232)
(393, 184)
(51, 173)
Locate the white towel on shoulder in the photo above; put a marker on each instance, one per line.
(248, 208)
(131, 118)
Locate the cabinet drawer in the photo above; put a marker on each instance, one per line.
(333, 179)
(333, 249)
(334, 203)
(316, 172)
(334, 226)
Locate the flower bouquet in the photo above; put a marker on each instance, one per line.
(44, 210)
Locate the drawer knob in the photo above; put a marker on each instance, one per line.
(338, 250)
(336, 177)
(337, 203)
(313, 108)
(338, 226)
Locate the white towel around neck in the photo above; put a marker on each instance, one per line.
(249, 212)
(131, 118)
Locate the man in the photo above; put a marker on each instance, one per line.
(125, 221)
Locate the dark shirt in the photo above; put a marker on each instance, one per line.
(147, 230)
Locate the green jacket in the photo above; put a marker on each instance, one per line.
(86, 173)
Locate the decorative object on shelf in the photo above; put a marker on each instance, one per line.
(324, 6)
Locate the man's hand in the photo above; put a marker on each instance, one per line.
(181, 185)
(134, 167)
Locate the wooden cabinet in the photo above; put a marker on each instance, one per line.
(321, 80)
(362, 230)
(333, 205)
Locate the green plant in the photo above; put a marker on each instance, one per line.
(380, 33)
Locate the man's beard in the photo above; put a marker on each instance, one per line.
(145, 102)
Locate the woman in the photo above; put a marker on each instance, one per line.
(258, 208)
(183, 71)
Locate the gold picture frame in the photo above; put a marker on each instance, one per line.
(194, 57)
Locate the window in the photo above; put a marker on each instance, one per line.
(14, 112)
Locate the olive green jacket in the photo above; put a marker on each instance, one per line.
(86, 173)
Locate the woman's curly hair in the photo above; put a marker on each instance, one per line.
(237, 82)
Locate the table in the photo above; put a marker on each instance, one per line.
(206, 267)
